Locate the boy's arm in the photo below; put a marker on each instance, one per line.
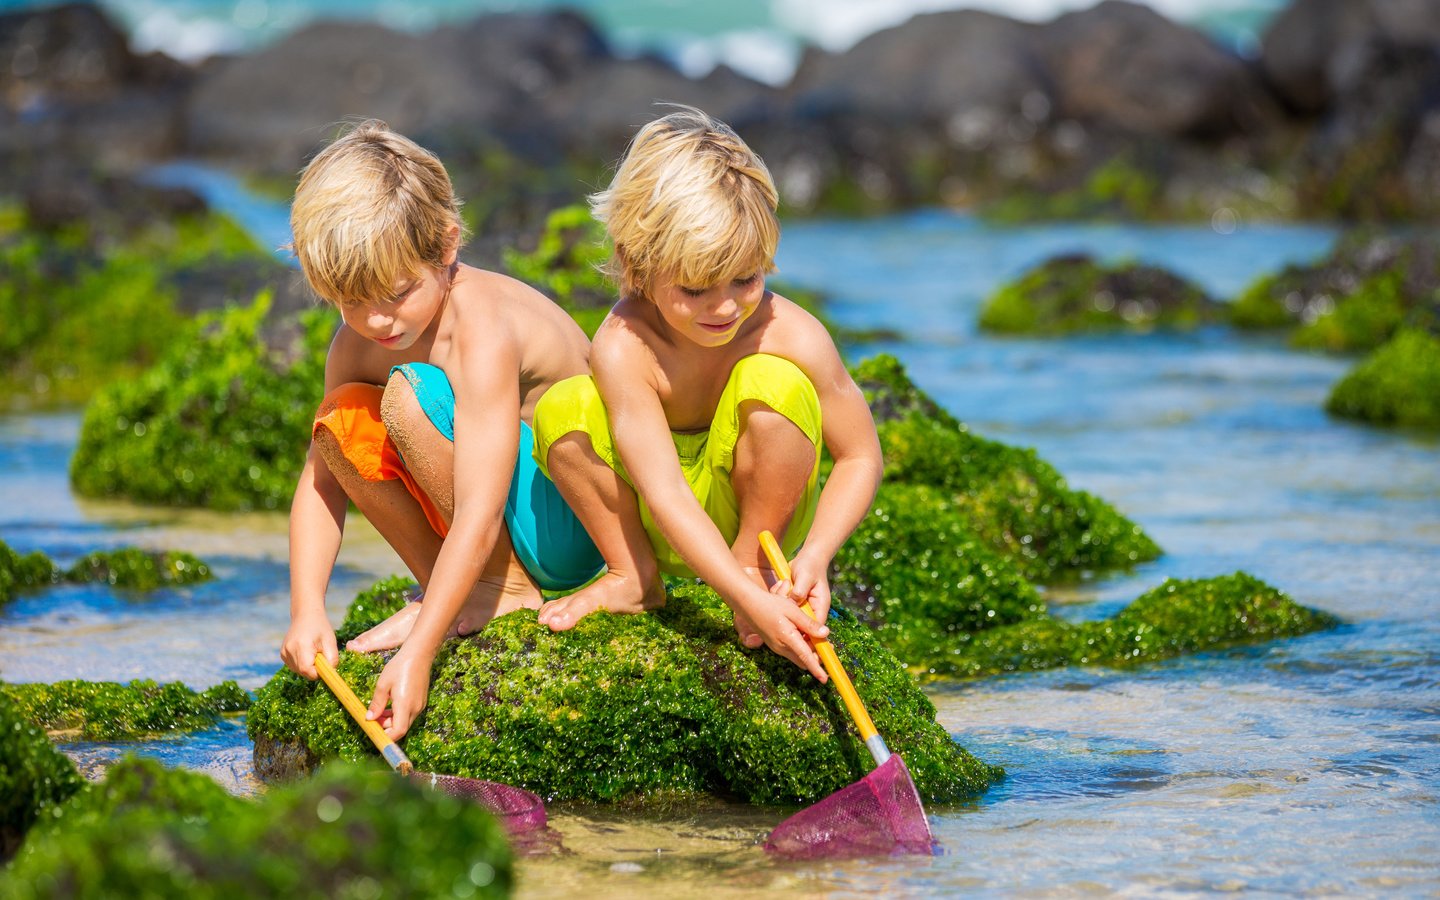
(317, 522)
(642, 437)
(849, 434)
(484, 371)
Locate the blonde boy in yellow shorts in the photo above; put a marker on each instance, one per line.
(431, 384)
(710, 395)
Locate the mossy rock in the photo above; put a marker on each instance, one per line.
(916, 572)
(628, 707)
(1013, 500)
(222, 421)
(88, 309)
(140, 570)
(1174, 619)
(34, 777)
(1070, 294)
(1398, 384)
(351, 831)
(18, 572)
(1354, 299)
(107, 711)
(892, 395)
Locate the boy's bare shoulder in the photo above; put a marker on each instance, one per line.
(352, 358)
(793, 332)
(626, 336)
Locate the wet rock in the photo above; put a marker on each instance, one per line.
(1125, 65)
(352, 831)
(19, 572)
(1176, 618)
(108, 711)
(1069, 294)
(1398, 384)
(70, 85)
(1355, 298)
(34, 777)
(647, 706)
(136, 569)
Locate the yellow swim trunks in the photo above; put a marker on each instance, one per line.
(706, 458)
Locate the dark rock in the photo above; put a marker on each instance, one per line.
(1314, 49)
(1124, 64)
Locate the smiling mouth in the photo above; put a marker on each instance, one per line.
(390, 341)
(719, 329)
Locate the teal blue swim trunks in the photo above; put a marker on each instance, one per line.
(548, 538)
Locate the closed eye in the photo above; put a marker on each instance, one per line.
(749, 279)
(692, 292)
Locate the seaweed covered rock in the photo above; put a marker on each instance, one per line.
(1354, 299)
(140, 570)
(106, 710)
(916, 572)
(34, 777)
(1176, 618)
(628, 707)
(1069, 294)
(1013, 500)
(352, 831)
(221, 421)
(18, 572)
(1398, 384)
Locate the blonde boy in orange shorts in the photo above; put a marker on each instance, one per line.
(431, 384)
(710, 395)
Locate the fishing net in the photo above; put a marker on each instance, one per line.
(878, 815)
(519, 810)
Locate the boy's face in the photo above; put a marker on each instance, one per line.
(708, 315)
(398, 322)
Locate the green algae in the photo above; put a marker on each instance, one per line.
(1072, 294)
(107, 711)
(19, 572)
(34, 777)
(1014, 501)
(351, 831)
(130, 568)
(1398, 384)
(140, 570)
(1175, 618)
(626, 707)
(221, 421)
(1362, 319)
(85, 308)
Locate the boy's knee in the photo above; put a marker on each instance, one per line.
(763, 423)
(400, 409)
(331, 453)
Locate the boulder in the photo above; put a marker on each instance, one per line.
(1124, 65)
(627, 708)
(1069, 294)
(352, 831)
(1398, 384)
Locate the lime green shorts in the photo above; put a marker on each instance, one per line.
(706, 458)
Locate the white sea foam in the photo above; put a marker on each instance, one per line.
(761, 41)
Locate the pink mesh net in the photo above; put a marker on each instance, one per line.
(876, 816)
(519, 810)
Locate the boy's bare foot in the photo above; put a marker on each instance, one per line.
(390, 633)
(612, 593)
(493, 595)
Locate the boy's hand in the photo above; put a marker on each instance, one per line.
(811, 583)
(404, 686)
(783, 627)
(309, 634)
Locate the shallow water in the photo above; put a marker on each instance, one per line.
(1309, 766)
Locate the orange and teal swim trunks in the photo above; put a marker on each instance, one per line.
(548, 538)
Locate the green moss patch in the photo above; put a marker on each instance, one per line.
(222, 421)
(1176, 618)
(1070, 294)
(34, 776)
(352, 831)
(107, 711)
(18, 572)
(1398, 384)
(1013, 500)
(85, 310)
(629, 707)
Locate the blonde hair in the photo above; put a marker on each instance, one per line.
(689, 201)
(371, 209)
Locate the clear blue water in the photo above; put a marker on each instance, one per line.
(1309, 766)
